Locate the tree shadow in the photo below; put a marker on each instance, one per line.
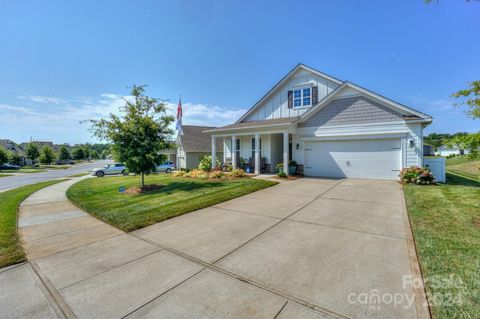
(454, 179)
(184, 186)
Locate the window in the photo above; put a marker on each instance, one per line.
(237, 150)
(302, 97)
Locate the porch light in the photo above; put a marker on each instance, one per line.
(411, 143)
(297, 146)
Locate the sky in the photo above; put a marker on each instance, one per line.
(62, 62)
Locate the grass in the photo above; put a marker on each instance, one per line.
(446, 225)
(461, 165)
(5, 175)
(101, 197)
(79, 174)
(11, 251)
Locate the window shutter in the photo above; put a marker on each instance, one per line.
(314, 95)
(290, 99)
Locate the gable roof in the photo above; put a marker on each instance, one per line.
(411, 113)
(283, 80)
(195, 140)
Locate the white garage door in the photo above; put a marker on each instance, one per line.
(373, 159)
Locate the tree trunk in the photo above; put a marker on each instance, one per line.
(143, 179)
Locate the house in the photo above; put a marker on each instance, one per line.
(331, 128)
(193, 145)
(428, 150)
(445, 150)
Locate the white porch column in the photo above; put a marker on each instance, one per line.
(257, 154)
(234, 151)
(214, 152)
(285, 152)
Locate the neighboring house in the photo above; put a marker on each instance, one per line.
(331, 128)
(428, 150)
(171, 153)
(445, 150)
(194, 145)
(13, 147)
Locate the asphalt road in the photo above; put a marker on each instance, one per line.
(32, 178)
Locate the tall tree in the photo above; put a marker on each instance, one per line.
(47, 155)
(79, 153)
(32, 152)
(139, 134)
(15, 158)
(64, 153)
(3, 156)
(471, 98)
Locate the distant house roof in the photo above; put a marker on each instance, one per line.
(10, 145)
(195, 140)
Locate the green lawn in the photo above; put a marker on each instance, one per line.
(11, 251)
(79, 174)
(461, 165)
(101, 197)
(5, 175)
(446, 225)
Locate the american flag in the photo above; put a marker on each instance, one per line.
(179, 117)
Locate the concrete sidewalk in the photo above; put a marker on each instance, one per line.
(296, 250)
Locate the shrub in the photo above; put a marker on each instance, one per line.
(198, 173)
(279, 167)
(206, 163)
(282, 175)
(238, 172)
(217, 174)
(179, 174)
(292, 163)
(451, 155)
(417, 175)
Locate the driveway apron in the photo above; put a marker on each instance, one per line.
(309, 248)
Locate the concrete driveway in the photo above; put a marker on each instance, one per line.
(310, 248)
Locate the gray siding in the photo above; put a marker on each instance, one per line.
(193, 158)
(276, 151)
(353, 110)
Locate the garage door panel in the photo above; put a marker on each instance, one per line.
(375, 159)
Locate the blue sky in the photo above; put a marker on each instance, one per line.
(65, 61)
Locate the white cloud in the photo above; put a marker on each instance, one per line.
(61, 122)
(207, 115)
(42, 99)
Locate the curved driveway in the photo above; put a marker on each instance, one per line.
(310, 248)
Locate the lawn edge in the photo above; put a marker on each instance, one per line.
(422, 305)
(170, 217)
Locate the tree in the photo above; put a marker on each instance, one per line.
(15, 158)
(470, 142)
(471, 98)
(47, 155)
(3, 156)
(32, 152)
(64, 153)
(138, 135)
(86, 151)
(94, 154)
(78, 153)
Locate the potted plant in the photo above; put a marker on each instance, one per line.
(279, 167)
(292, 167)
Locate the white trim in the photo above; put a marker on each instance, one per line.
(357, 136)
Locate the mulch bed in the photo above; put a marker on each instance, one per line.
(144, 189)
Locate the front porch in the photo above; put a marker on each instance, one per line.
(255, 152)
